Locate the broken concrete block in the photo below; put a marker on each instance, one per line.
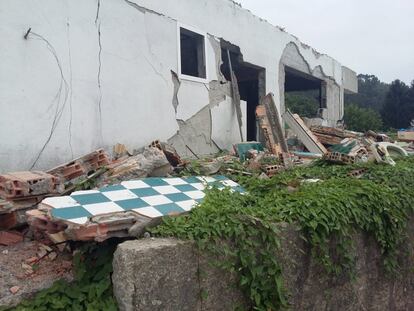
(151, 162)
(28, 184)
(169, 151)
(124, 209)
(120, 151)
(81, 167)
(304, 134)
(349, 151)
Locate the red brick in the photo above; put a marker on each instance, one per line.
(10, 237)
(25, 184)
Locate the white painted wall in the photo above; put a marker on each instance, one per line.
(116, 86)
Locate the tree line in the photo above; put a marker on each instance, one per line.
(379, 106)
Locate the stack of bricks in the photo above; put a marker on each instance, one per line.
(82, 167)
(21, 191)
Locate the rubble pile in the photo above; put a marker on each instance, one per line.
(332, 136)
(94, 197)
(21, 192)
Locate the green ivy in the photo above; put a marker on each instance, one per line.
(241, 230)
(91, 290)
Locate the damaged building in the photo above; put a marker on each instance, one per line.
(80, 75)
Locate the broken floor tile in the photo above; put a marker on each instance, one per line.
(124, 209)
(150, 197)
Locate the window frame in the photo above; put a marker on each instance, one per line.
(206, 60)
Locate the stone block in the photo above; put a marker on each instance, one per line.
(169, 275)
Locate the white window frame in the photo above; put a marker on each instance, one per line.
(206, 59)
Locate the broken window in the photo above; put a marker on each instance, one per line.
(192, 54)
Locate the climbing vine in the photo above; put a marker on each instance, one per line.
(242, 230)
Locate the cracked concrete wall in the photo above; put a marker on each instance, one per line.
(93, 73)
(293, 58)
(114, 85)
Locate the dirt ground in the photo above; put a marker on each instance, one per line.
(29, 267)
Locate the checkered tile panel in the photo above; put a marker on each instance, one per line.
(151, 197)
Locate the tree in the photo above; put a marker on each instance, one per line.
(304, 104)
(398, 109)
(371, 92)
(362, 119)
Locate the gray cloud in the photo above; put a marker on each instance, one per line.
(369, 36)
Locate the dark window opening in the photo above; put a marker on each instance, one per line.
(251, 83)
(193, 58)
(304, 94)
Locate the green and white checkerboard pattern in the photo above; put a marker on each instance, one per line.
(151, 197)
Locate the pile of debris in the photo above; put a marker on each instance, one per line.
(23, 191)
(94, 197)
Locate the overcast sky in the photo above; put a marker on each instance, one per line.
(369, 36)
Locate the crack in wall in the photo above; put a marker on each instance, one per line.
(70, 89)
(98, 25)
(143, 9)
(97, 12)
(155, 69)
(310, 70)
(177, 85)
(293, 58)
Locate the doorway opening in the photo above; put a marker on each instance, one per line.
(250, 80)
(304, 94)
